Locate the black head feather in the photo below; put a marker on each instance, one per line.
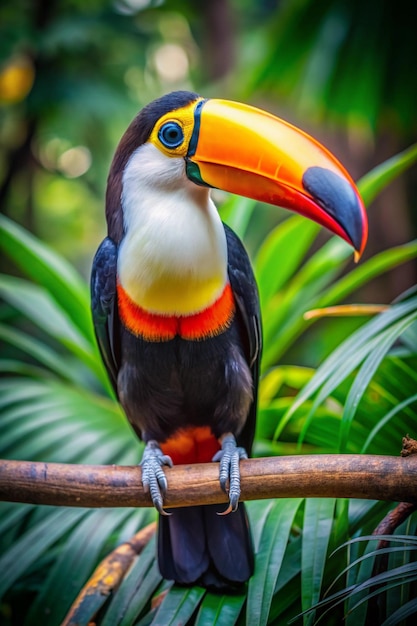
(136, 134)
(152, 112)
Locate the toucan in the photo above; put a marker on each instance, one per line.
(175, 303)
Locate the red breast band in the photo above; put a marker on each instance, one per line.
(154, 327)
(191, 445)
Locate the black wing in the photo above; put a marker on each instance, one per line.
(104, 306)
(246, 295)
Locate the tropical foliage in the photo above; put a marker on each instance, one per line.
(72, 74)
(57, 406)
(315, 45)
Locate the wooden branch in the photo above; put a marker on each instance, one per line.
(106, 578)
(327, 475)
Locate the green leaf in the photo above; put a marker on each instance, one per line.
(40, 308)
(407, 609)
(12, 391)
(258, 511)
(383, 582)
(357, 571)
(371, 585)
(346, 357)
(73, 566)
(381, 176)
(281, 253)
(237, 212)
(269, 559)
(318, 520)
(50, 270)
(12, 515)
(65, 424)
(366, 373)
(25, 552)
(13, 366)
(42, 353)
(287, 590)
(178, 606)
(363, 273)
(382, 422)
(220, 610)
(283, 315)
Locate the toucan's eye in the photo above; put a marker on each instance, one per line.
(171, 135)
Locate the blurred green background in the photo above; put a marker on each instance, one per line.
(74, 73)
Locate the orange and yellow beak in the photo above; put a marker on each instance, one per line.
(252, 153)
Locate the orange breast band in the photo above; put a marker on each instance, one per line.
(191, 445)
(155, 327)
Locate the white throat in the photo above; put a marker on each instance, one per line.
(173, 257)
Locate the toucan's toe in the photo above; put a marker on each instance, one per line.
(153, 476)
(229, 475)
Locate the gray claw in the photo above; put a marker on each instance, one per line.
(153, 476)
(229, 475)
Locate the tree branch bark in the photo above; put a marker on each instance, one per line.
(327, 475)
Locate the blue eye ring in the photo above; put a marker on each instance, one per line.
(171, 135)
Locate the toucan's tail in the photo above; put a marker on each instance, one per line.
(198, 546)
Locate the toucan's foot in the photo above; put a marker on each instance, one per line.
(229, 457)
(153, 476)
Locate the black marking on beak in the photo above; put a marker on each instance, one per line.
(196, 130)
(338, 198)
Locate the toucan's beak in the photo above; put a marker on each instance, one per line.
(249, 152)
